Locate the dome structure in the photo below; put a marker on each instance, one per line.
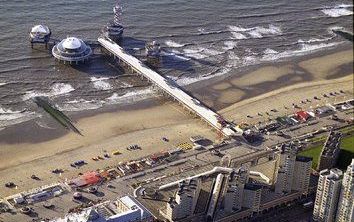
(71, 50)
(40, 34)
(71, 43)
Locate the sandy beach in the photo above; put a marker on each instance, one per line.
(270, 86)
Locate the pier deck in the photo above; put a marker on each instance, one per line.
(169, 87)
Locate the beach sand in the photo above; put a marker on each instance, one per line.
(271, 86)
(103, 132)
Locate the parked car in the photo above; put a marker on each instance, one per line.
(10, 184)
(116, 152)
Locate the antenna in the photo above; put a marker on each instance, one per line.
(118, 11)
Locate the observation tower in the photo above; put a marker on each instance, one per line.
(114, 29)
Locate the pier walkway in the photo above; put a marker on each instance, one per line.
(170, 87)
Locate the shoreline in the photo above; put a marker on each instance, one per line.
(146, 122)
(198, 89)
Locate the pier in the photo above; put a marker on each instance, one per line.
(171, 88)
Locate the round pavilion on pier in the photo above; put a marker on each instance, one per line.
(71, 50)
(40, 34)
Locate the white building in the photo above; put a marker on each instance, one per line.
(327, 195)
(302, 173)
(185, 201)
(285, 176)
(71, 50)
(346, 206)
(125, 209)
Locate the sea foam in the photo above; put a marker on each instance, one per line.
(173, 44)
(56, 90)
(338, 11)
(101, 83)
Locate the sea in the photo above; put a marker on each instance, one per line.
(200, 39)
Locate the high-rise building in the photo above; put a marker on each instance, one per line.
(345, 205)
(330, 151)
(286, 169)
(252, 196)
(185, 201)
(234, 191)
(302, 173)
(327, 195)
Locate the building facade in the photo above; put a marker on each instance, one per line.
(285, 175)
(252, 196)
(233, 196)
(301, 175)
(327, 195)
(185, 200)
(330, 151)
(346, 206)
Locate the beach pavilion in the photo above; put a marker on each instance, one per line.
(72, 50)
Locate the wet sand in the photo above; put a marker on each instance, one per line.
(235, 97)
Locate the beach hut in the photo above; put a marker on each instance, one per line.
(302, 116)
(87, 179)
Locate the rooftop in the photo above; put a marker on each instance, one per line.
(333, 174)
(40, 29)
(71, 43)
(303, 158)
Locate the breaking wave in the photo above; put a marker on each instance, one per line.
(338, 11)
(56, 90)
(100, 83)
(81, 104)
(10, 117)
(239, 32)
(129, 97)
(201, 52)
(173, 44)
(303, 49)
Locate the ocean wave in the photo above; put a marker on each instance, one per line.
(203, 32)
(269, 51)
(312, 40)
(56, 90)
(81, 104)
(228, 45)
(94, 79)
(239, 32)
(233, 60)
(177, 55)
(239, 36)
(338, 11)
(173, 44)
(201, 52)
(129, 97)
(3, 83)
(100, 83)
(303, 49)
(10, 117)
(190, 80)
